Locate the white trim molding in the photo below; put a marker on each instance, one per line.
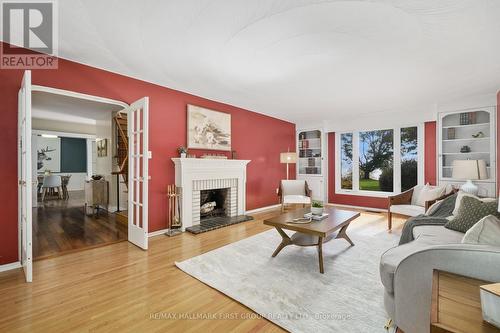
(364, 208)
(11, 266)
(262, 209)
(157, 232)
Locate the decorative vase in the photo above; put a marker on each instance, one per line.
(470, 187)
(183, 155)
(317, 210)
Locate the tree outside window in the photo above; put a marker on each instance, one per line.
(409, 157)
(376, 160)
(346, 161)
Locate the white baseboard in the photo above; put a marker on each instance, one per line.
(157, 232)
(359, 207)
(8, 267)
(258, 210)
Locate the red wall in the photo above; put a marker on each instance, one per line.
(430, 153)
(255, 137)
(375, 202)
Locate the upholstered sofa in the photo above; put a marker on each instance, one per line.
(406, 272)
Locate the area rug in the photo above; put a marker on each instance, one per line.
(289, 290)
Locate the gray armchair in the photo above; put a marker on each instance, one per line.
(407, 271)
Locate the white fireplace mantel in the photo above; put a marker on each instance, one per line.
(189, 170)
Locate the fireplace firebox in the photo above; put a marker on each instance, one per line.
(214, 203)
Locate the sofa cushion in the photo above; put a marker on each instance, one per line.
(471, 210)
(408, 210)
(439, 232)
(486, 231)
(425, 236)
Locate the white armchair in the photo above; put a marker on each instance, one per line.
(294, 192)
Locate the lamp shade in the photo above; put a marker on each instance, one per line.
(288, 157)
(469, 169)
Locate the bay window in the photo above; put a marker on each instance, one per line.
(379, 162)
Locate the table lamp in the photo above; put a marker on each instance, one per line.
(288, 157)
(469, 170)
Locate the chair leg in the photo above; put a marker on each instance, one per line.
(389, 220)
(44, 192)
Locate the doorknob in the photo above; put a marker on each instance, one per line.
(22, 183)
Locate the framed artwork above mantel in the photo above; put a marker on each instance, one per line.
(208, 129)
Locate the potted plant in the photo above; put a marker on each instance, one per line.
(317, 208)
(182, 151)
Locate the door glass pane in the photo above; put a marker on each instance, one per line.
(346, 161)
(376, 160)
(409, 158)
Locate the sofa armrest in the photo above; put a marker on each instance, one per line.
(401, 199)
(413, 278)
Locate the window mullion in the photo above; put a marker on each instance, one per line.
(355, 161)
(396, 172)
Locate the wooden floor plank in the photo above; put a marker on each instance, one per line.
(122, 288)
(60, 227)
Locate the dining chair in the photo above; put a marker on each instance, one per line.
(51, 183)
(65, 181)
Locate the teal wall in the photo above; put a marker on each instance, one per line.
(73, 155)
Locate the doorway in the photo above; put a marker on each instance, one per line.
(59, 216)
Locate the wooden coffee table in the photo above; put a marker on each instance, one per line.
(315, 233)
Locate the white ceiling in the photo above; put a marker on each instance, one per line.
(294, 59)
(69, 109)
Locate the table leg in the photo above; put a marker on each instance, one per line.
(284, 242)
(320, 255)
(343, 234)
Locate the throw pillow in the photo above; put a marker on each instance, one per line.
(430, 193)
(470, 212)
(462, 194)
(486, 231)
(416, 193)
(433, 207)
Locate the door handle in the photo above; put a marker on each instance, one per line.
(22, 183)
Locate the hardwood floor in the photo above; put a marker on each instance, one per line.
(120, 288)
(60, 226)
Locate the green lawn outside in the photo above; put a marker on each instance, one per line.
(369, 185)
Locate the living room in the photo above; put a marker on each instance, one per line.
(285, 166)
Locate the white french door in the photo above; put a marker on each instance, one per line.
(24, 176)
(138, 175)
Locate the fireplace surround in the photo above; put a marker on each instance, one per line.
(195, 175)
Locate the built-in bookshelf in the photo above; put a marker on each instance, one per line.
(464, 135)
(310, 153)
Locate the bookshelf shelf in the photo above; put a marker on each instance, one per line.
(470, 130)
(310, 153)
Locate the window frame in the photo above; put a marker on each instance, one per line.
(396, 156)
